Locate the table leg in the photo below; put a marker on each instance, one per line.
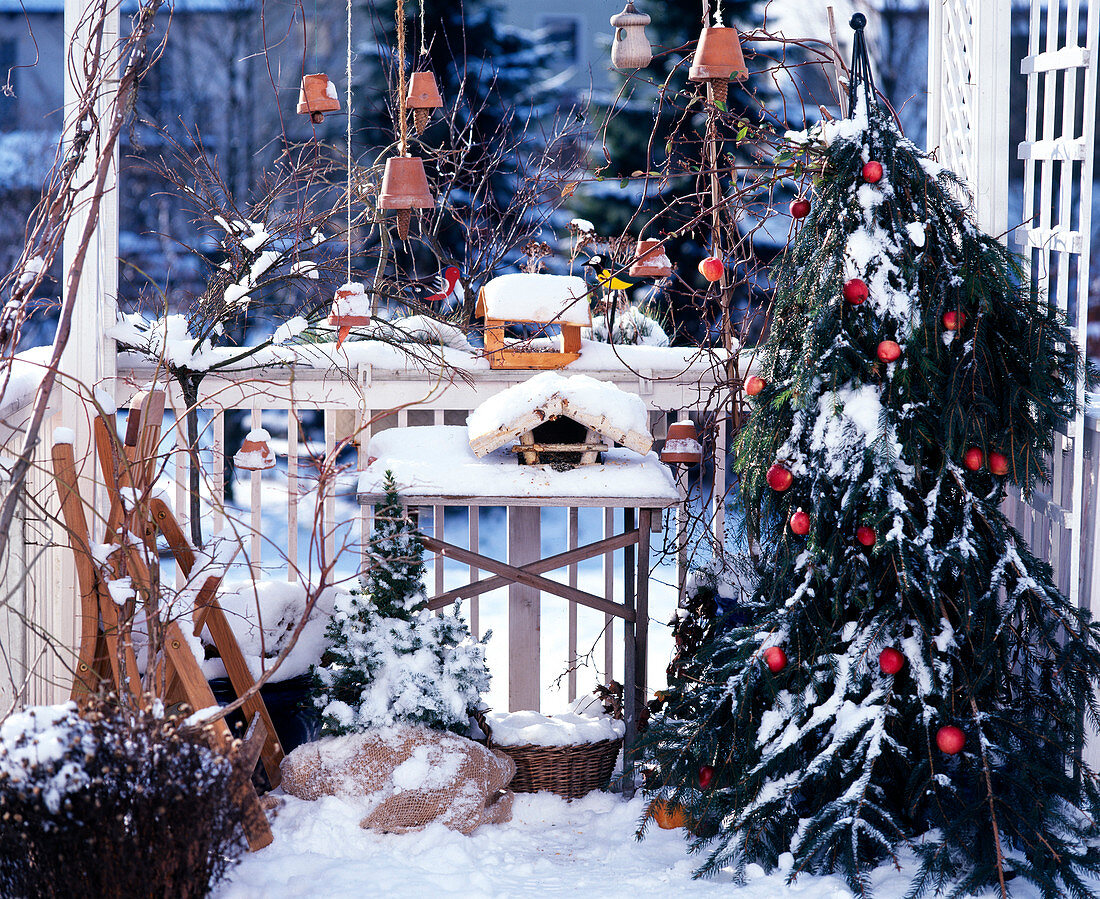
(524, 547)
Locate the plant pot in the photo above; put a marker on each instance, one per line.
(316, 97)
(651, 261)
(404, 185)
(718, 56)
(682, 444)
(422, 98)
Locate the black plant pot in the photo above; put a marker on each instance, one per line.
(288, 703)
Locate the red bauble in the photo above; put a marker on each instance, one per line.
(890, 660)
(754, 385)
(953, 321)
(800, 208)
(855, 291)
(950, 739)
(974, 458)
(872, 172)
(706, 775)
(998, 464)
(775, 658)
(779, 478)
(866, 535)
(889, 351)
(712, 268)
(800, 523)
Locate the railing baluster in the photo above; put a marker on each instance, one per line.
(291, 495)
(609, 592)
(573, 527)
(256, 512)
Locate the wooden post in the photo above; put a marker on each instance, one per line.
(630, 658)
(524, 626)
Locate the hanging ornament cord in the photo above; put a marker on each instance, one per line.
(861, 75)
(351, 166)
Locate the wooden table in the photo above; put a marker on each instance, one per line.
(431, 469)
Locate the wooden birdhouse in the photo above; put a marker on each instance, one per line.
(541, 300)
(630, 48)
(717, 59)
(560, 421)
(405, 188)
(423, 97)
(255, 453)
(650, 260)
(316, 97)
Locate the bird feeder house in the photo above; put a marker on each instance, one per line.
(405, 188)
(255, 453)
(316, 97)
(717, 59)
(630, 48)
(350, 309)
(650, 260)
(541, 300)
(682, 445)
(563, 422)
(423, 98)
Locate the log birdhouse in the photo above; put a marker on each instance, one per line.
(630, 47)
(560, 421)
(540, 300)
(650, 260)
(682, 444)
(423, 98)
(350, 309)
(316, 97)
(717, 59)
(255, 453)
(405, 188)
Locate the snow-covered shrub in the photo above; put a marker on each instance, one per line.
(391, 661)
(631, 326)
(110, 804)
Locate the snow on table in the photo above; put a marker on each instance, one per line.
(529, 297)
(436, 463)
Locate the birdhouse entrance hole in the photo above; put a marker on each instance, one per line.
(561, 443)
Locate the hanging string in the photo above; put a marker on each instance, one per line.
(423, 30)
(401, 76)
(351, 167)
(861, 74)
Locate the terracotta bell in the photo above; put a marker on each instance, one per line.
(630, 47)
(255, 453)
(423, 98)
(650, 260)
(682, 444)
(350, 309)
(317, 96)
(717, 59)
(405, 188)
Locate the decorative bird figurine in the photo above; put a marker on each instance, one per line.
(604, 276)
(439, 288)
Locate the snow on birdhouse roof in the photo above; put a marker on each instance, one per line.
(599, 405)
(524, 297)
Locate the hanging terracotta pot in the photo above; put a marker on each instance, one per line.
(650, 261)
(255, 453)
(405, 188)
(630, 47)
(423, 98)
(718, 58)
(682, 444)
(350, 309)
(316, 97)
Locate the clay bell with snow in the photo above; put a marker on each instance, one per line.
(350, 309)
(682, 445)
(405, 188)
(717, 59)
(650, 260)
(630, 48)
(317, 96)
(422, 98)
(255, 453)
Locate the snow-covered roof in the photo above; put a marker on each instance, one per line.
(501, 419)
(525, 297)
(436, 463)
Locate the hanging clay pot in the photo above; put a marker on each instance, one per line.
(423, 98)
(255, 453)
(682, 444)
(651, 261)
(405, 188)
(350, 309)
(718, 58)
(317, 96)
(630, 47)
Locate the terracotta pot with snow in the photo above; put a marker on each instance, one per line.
(682, 445)
(317, 96)
(650, 261)
(255, 453)
(350, 309)
(718, 58)
(405, 188)
(423, 97)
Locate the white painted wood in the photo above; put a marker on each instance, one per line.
(474, 519)
(255, 507)
(524, 612)
(573, 528)
(292, 490)
(609, 593)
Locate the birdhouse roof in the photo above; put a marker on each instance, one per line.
(523, 297)
(605, 408)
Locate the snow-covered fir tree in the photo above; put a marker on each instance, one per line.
(392, 661)
(911, 677)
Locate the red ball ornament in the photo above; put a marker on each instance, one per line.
(712, 268)
(800, 208)
(890, 660)
(855, 291)
(706, 776)
(889, 351)
(872, 172)
(866, 535)
(775, 658)
(950, 739)
(754, 385)
(998, 464)
(974, 458)
(800, 523)
(953, 321)
(779, 478)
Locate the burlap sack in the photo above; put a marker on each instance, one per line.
(421, 776)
